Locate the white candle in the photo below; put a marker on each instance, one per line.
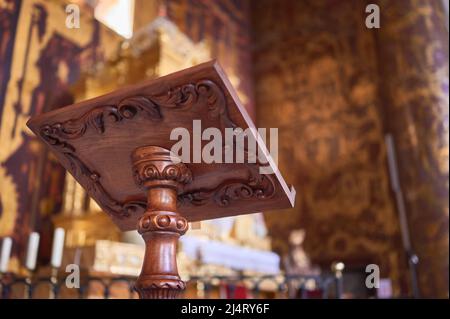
(58, 247)
(33, 246)
(6, 253)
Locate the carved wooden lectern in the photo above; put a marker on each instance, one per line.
(117, 147)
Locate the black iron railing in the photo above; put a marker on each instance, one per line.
(288, 286)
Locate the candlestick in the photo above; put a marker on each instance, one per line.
(6, 253)
(58, 247)
(54, 283)
(33, 246)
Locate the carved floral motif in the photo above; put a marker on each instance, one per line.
(175, 172)
(182, 97)
(254, 186)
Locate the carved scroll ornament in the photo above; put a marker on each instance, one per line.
(184, 97)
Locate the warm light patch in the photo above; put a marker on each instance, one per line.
(116, 14)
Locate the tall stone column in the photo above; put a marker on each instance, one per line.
(412, 45)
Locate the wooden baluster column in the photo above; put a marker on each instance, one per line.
(154, 169)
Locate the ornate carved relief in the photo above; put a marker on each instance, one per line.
(181, 98)
(255, 186)
(153, 165)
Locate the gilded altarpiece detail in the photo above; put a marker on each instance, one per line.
(45, 59)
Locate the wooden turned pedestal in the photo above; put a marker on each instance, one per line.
(160, 226)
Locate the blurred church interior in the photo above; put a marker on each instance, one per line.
(363, 121)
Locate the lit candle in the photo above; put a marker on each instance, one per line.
(6, 253)
(58, 247)
(33, 246)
